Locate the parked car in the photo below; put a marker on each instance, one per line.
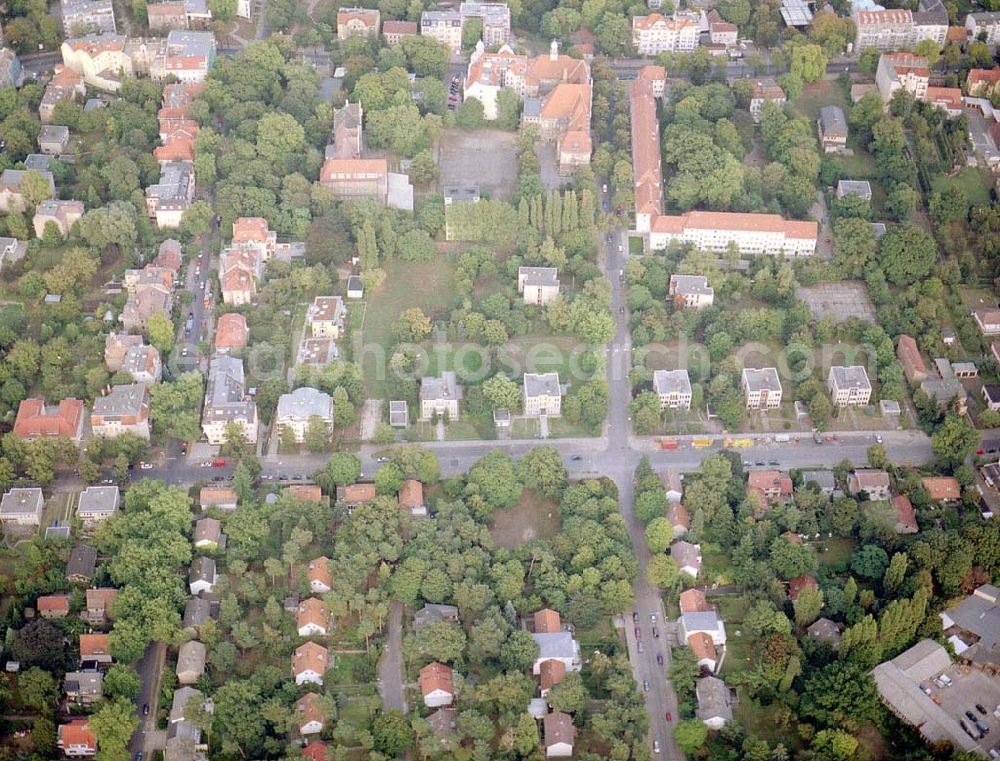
(659, 659)
(656, 633)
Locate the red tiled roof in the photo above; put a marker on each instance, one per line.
(905, 514)
(34, 420)
(77, 734)
(547, 621)
(645, 148)
(693, 601)
(550, 673)
(53, 604)
(436, 676)
(412, 494)
(942, 488)
(231, 331)
(796, 585)
(702, 646)
(319, 570)
(306, 492)
(92, 645)
(736, 222)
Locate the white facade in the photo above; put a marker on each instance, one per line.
(849, 386)
(296, 409)
(655, 33)
(761, 388)
(437, 698)
(673, 388)
(750, 233)
(542, 395)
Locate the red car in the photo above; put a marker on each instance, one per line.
(218, 463)
(669, 717)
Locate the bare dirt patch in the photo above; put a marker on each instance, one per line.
(486, 158)
(840, 300)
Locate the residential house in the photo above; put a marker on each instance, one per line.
(973, 627)
(849, 386)
(433, 613)
(437, 685)
(221, 497)
(231, 332)
(393, 32)
(752, 234)
(312, 618)
(825, 630)
(182, 700)
(84, 687)
(547, 621)
(906, 517)
(558, 645)
(495, 18)
(761, 388)
(930, 22)
(680, 520)
(542, 395)
(909, 356)
(314, 751)
(559, 735)
(95, 649)
(53, 139)
(948, 99)
(203, 575)
(240, 270)
(832, 127)
(355, 287)
(987, 24)
(357, 22)
(673, 485)
(942, 488)
(226, 402)
(945, 387)
(772, 486)
(22, 507)
(902, 71)
(172, 195)
(765, 91)
(207, 534)
(146, 297)
(721, 33)
(445, 26)
(691, 291)
(116, 345)
(646, 172)
(687, 556)
(190, 662)
(305, 492)
(81, 564)
(655, 34)
(353, 495)
(124, 410)
(318, 576)
(143, 364)
(52, 606)
(197, 611)
(873, 482)
(988, 321)
(673, 389)
(76, 740)
(440, 396)
(99, 602)
(799, 583)
(97, 504)
(87, 17)
(309, 663)
(714, 702)
(186, 55)
(296, 410)
(11, 195)
(822, 478)
(411, 497)
(325, 317)
(982, 83)
(308, 716)
(163, 17)
(253, 233)
(101, 60)
(883, 29)
(538, 285)
(549, 675)
(63, 214)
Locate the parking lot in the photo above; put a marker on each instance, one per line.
(839, 300)
(486, 158)
(969, 687)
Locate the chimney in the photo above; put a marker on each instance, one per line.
(554, 50)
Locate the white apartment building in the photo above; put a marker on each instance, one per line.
(542, 395)
(440, 396)
(22, 507)
(902, 71)
(849, 386)
(988, 23)
(751, 233)
(673, 387)
(765, 91)
(761, 388)
(538, 285)
(883, 30)
(296, 409)
(656, 33)
(445, 26)
(691, 291)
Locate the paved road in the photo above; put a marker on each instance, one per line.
(149, 668)
(390, 669)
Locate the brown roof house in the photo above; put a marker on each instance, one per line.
(207, 534)
(305, 492)
(308, 716)
(312, 618)
(680, 520)
(222, 497)
(37, 420)
(309, 663)
(914, 367)
(550, 673)
(95, 648)
(906, 519)
(559, 734)
(942, 488)
(688, 557)
(547, 621)
(772, 486)
(190, 662)
(411, 497)
(231, 332)
(437, 685)
(873, 482)
(353, 495)
(99, 603)
(825, 630)
(318, 575)
(52, 606)
(63, 214)
(796, 585)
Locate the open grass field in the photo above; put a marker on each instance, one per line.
(818, 94)
(427, 285)
(972, 181)
(835, 552)
(533, 517)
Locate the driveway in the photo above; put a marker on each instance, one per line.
(390, 669)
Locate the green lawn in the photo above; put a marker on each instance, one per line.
(533, 517)
(532, 354)
(972, 181)
(818, 94)
(427, 285)
(832, 552)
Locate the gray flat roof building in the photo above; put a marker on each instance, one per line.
(671, 382)
(761, 379)
(542, 384)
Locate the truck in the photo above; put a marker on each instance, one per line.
(669, 443)
(782, 438)
(701, 443)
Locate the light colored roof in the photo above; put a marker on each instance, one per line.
(558, 728)
(542, 384)
(854, 377)
(191, 657)
(713, 699)
(539, 276)
(22, 501)
(445, 387)
(686, 554)
(303, 403)
(760, 379)
(556, 645)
